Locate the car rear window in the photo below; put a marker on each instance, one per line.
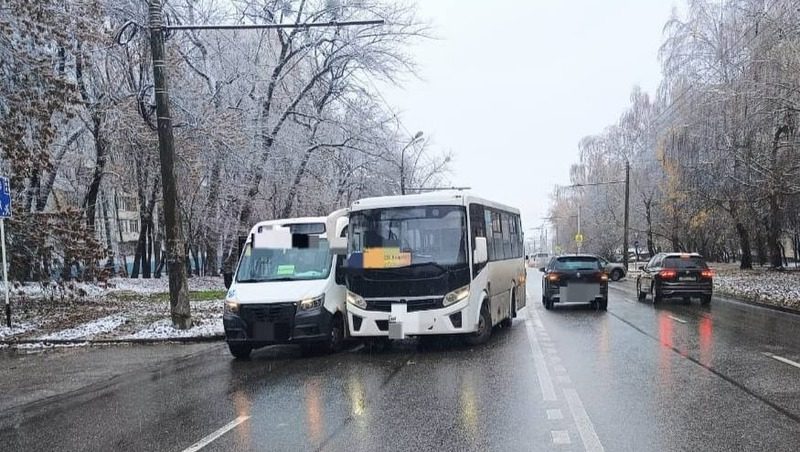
(684, 262)
(578, 263)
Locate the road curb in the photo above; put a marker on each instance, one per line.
(182, 340)
(724, 296)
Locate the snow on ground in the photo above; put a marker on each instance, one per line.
(88, 330)
(6, 332)
(153, 285)
(162, 329)
(760, 285)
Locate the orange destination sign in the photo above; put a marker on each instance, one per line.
(386, 258)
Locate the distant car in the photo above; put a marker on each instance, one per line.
(676, 275)
(575, 279)
(615, 270)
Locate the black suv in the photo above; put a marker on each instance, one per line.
(575, 279)
(676, 275)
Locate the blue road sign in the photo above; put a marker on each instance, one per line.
(5, 198)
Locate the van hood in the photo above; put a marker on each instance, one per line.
(276, 291)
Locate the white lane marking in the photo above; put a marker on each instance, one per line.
(591, 442)
(560, 437)
(782, 359)
(560, 369)
(555, 414)
(205, 441)
(564, 379)
(543, 375)
(677, 319)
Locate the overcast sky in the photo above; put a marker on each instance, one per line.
(510, 87)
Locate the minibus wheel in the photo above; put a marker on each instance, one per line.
(240, 351)
(484, 327)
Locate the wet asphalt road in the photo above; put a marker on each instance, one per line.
(637, 378)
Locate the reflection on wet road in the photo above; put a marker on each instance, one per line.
(674, 376)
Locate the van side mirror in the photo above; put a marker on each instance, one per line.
(641, 268)
(481, 253)
(527, 257)
(541, 269)
(334, 225)
(339, 271)
(228, 278)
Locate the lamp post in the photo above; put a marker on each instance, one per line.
(414, 139)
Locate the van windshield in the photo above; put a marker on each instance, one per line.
(292, 264)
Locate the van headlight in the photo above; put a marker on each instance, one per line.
(356, 300)
(231, 306)
(311, 303)
(455, 296)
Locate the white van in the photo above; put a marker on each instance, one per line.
(284, 290)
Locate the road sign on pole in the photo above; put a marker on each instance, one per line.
(579, 238)
(5, 212)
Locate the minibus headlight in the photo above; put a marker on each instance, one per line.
(456, 296)
(356, 300)
(311, 303)
(231, 306)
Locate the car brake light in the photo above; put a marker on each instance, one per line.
(553, 277)
(707, 273)
(667, 274)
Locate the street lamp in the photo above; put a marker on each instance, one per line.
(414, 139)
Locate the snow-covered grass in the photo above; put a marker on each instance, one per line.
(777, 288)
(162, 329)
(6, 332)
(121, 308)
(88, 330)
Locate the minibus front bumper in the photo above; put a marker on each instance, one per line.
(454, 319)
(276, 323)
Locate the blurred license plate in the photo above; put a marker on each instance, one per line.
(687, 278)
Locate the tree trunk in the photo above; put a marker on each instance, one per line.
(744, 245)
(90, 200)
(744, 237)
(138, 259)
(774, 232)
(761, 250)
(147, 253)
(298, 176)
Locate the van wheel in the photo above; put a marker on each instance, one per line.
(335, 340)
(616, 275)
(240, 351)
(484, 327)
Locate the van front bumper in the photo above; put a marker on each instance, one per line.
(276, 323)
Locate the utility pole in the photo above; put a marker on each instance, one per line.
(176, 262)
(627, 209)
